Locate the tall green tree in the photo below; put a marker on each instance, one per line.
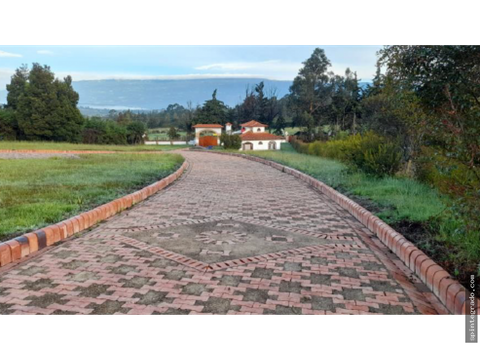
(310, 91)
(135, 132)
(45, 108)
(213, 111)
(17, 86)
(446, 79)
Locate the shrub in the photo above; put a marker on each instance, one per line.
(231, 141)
(135, 132)
(99, 131)
(299, 145)
(384, 159)
(371, 153)
(172, 133)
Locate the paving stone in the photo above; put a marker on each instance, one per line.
(256, 295)
(217, 305)
(108, 307)
(152, 298)
(93, 290)
(230, 233)
(39, 284)
(284, 310)
(290, 286)
(45, 300)
(194, 289)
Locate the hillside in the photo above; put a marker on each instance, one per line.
(96, 95)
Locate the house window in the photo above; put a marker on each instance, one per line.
(259, 129)
(260, 143)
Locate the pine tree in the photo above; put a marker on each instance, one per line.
(45, 108)
(310, 91)
(212, 112)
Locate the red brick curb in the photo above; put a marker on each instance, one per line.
(450, 292)
(22, 246)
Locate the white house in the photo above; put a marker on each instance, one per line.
(254, 137)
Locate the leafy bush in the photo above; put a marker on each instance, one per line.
(382, 160)
(371, 153)
(99, 131)
(231, 141)
(135, 132)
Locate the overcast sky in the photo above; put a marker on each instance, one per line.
(182, 62)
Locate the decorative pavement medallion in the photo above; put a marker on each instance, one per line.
(223, 243)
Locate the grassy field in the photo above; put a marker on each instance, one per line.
(414, 209)
(38, 192)
(162, 134)
(292, 130)
(396, 198)
(34, 145)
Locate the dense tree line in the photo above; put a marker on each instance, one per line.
(43, 108)
(426, 103)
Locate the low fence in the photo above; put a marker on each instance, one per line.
(163, 142)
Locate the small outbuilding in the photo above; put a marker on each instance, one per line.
(207, 134)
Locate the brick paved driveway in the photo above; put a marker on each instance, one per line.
(231, 237)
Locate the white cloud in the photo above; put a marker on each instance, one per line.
(45, 52)
(271, 68)
(7, 54)
(77, 76)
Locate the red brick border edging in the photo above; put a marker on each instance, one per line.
(22, 246)
(450, 292)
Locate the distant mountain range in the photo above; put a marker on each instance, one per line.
(158, 94)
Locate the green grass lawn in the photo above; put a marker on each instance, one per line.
(38, 192)
(397, 198)
(162, 134)
(37, 145)
(292, 130)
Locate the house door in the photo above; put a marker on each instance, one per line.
(247, 146)
(208, 141)
(272, 145)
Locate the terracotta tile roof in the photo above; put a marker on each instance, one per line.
(208, 126)
(260, 136)
(253, 123)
